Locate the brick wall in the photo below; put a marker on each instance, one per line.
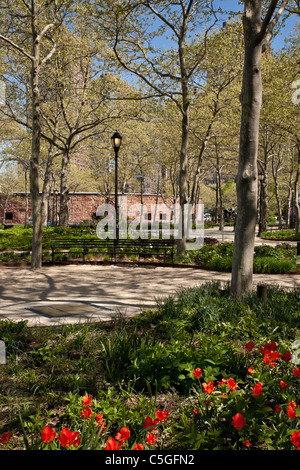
(15, 209)
(82, 206)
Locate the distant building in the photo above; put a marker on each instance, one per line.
(82, 206)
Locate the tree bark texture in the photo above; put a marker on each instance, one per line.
(297, 206)
(36, 256)
(64, 192)
(246, 180)
(185, 126)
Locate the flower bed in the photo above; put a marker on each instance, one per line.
(260, 411)
(201, 372)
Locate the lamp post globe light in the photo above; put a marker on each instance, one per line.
(116, 141)
(260, 179)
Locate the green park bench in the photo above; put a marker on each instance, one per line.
(162, 249)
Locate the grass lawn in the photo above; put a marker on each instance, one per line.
(201, 371)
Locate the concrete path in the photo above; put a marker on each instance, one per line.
(227, 235)
(85, 293)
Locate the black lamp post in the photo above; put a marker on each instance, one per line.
(116, 140)
(260, 179)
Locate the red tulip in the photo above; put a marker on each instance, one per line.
(151, 439)
(197, 373)
(283, 385)
(48, 434)
(112, 444)
(238, 421)
(149, 422)
(138, 447)
(232, 384)
(68, 438)
(162, 415)
(123, 435)
(287, 356)
(295, 439)
(208, 387)
(257, 391)
(5, 438)
(249, 346)
(86, 413)
(296, 372)
(87, 400)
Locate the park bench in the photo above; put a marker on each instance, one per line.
(140, 247)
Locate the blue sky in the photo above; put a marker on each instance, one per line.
(278, 40)
(228, 6)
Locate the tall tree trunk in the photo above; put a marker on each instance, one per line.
(54, 207)
(289, 198)
(297, 206)
(47, 186)
(246, 180)
(219, 187)
(278, 202)
(217, 199)
(183, 183)
(156, 198)
(200, 158)
(256, 34)
(185, 129)
(26, 198)
(64, 191)
(288, 207)
(4, 210)
(275, 169)
(264, 203)
(264, 183)
(48, 177)
(142, 202)
(36, 256)
(221, 223)
(35, 17)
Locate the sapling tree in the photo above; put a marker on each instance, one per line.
(136, 30)
(28, 29)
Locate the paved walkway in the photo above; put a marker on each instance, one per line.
(227, 235)
(83, 293)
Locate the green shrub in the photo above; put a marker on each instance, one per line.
(117, 351)
(219, 263)
(16, 336)
(269, 265)
(6, 257)
(281, 235)
(266, 250)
